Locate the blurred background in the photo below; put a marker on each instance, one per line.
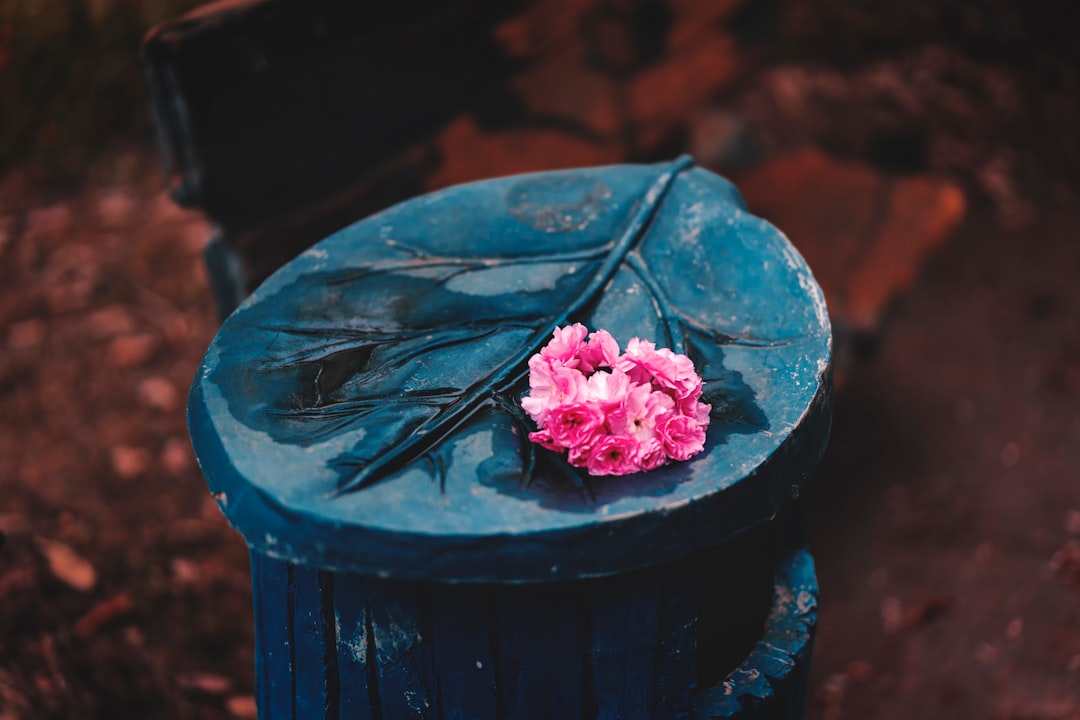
(923, 155)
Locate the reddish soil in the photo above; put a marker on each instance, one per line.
(124, 593)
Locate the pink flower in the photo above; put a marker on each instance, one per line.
(600, 351)
(651, 454)
(551, 384)
(690, 407)
(578, 456)
(614, 414)
(607, 389)
(639, 411)
(574, 424)
(543, 439)
(613, 455)
(663, 367)
(634, 362)
(682, 436)
(566, 344)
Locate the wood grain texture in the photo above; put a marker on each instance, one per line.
(403, 653)
(275, 675)
(623, 644)
(357, 677)
(541, 664)
(314, 643)
(466, 655)
(340, 645)
(676, 641)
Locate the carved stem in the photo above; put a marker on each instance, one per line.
(513, 369)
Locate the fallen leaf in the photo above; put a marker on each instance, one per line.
(185, 571)
(928, 611)
(176, 456)
(985, 653)
(128, 351)
(115, 208)
(19, 579)
(241, 706)
(133, 636)
(865, 235)
(103, 613)
(1072, 522)
(860, 671)
(111, 321)
(13, 523)
(206, 683)
(159, 393)
(50, 221)
(67, 566)
(69, 296)
(26, 335)
(128, 462)
(892, 615)
(1066, 562)
(7, 229)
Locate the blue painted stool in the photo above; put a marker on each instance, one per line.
(414, 556)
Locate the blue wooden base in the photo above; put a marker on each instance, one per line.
(772, 681)
(341, 645)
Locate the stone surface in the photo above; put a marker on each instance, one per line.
(366, 396)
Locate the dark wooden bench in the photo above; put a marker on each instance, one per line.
(284, 120)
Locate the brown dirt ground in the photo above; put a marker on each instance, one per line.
(124, 593)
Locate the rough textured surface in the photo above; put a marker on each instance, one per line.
(340, 645)
(366, 395)
(771, 682)
(946, 520)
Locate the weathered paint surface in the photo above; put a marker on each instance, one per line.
(413, 556)
(611, 648)
(771, 681)
(357, 411)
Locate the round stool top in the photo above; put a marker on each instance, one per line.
(359, 411)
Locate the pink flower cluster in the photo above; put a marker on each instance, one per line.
(614, 414)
